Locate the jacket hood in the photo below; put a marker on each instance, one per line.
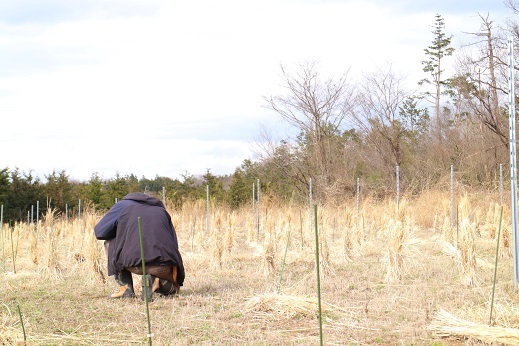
(144, 198)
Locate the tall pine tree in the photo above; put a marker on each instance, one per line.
(440, 48)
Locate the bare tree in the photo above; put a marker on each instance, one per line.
(380, 115)
(318, 108)
(484, 82)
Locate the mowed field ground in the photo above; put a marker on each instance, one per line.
(388, 276)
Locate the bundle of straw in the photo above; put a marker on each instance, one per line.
(446, 324)
(395, 255)
(10, 332)
(285, 305)
(9, 336)
(217, 246)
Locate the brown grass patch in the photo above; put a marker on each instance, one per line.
(445, 324)
(228, 271)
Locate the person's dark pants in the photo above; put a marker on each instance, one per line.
(161, 279)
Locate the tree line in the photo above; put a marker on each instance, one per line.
(22, 193)
(367, 129)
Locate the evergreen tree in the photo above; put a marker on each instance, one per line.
(58, 190)
(215, 186)
(94, 191)
(240, 191)
(440, 48)
(25, 191)
(4, 185)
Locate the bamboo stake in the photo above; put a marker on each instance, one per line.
(193, 234)
(495, 267)
(21, 322)
(12, 252)
(283, 263)
(2, 230)
(301, 227)
(145, 288)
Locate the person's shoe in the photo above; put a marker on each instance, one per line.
(150, 280)
(168, 288)
(124, 292)
(156, 284)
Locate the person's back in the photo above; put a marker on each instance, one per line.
(120, 227)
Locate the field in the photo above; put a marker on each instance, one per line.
(388, 276)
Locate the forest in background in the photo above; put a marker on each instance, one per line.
(349, 131)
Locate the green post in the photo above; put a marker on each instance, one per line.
(495, 267)
(21, 322)
(301, 228)
(2, 230)
(283, 263)
(318, 276)
(13, 254)
(145, 288)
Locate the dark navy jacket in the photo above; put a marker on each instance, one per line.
(121, 226)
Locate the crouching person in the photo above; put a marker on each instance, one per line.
(120, 230)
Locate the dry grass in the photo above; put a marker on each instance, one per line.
(446, 324)
(385, 277)
(287, 306)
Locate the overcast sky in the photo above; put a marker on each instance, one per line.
(165, 87)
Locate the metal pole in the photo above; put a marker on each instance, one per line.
(66, 211)
(32, 213)
(259, 204)
(37, 213)
(513, 155)
(318, 264)
(253, 197)
(501, 184)
(358, 201)
(452, 196)
(207, 208)
(79, 209)
(310, 198)
(397, 186)
(164, 195)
